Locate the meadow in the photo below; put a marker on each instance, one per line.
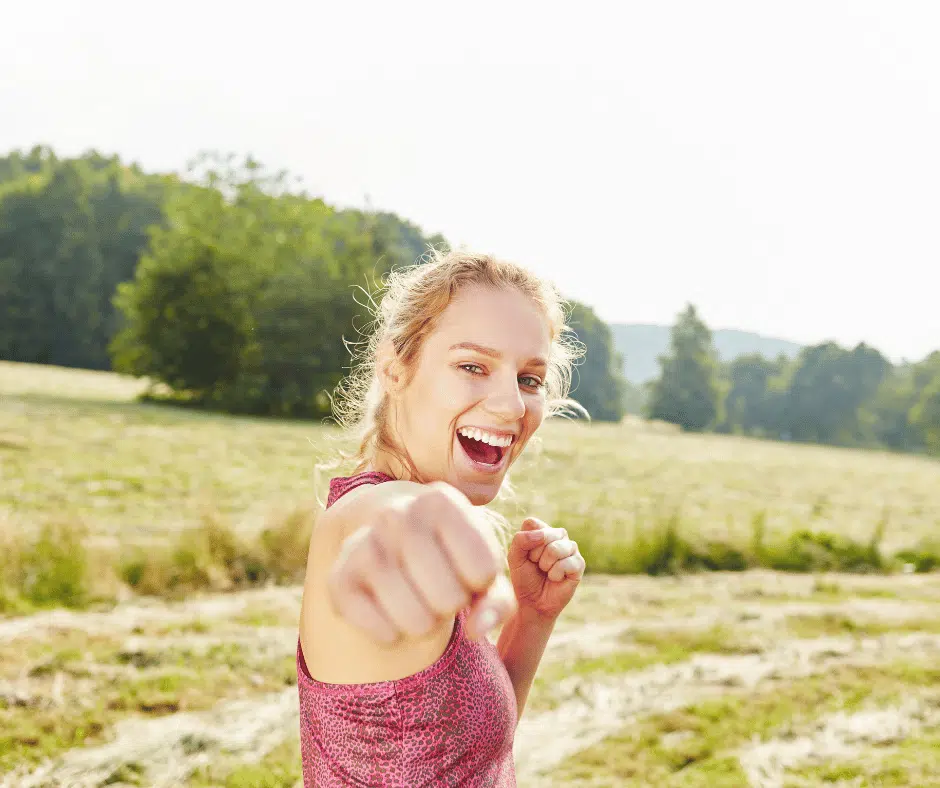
(149, 599)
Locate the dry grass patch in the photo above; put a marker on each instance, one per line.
(279, 768)
(70, 689)
(695, 746)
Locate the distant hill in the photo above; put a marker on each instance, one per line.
(641, 344)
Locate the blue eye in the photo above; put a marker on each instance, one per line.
(537, 383)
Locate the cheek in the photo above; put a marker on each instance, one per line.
(535, 411)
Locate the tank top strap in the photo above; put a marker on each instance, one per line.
(340, 485)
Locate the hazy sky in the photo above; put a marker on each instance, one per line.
(777, 164)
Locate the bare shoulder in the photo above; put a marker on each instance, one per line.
(335, 651)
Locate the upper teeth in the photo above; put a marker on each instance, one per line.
(487, 437)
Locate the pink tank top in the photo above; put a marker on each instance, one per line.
(450, 724)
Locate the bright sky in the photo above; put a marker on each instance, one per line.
(777, 164)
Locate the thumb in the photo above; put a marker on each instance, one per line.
(491, 608)
(524, 541)
(533, 523)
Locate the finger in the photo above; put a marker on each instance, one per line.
(355, 605)
(533, 523)
(555, 552)
(391, 588)
(551, 535)
(473, 557)
(571, 568)
(431, 573)
(500, 600)
(523, 542)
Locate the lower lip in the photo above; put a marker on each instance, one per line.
(482, 467)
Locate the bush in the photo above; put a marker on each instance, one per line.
(212, 557)
(52, 569)
(924, 557)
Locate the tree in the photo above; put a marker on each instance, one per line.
(752, 404)
(600, 385)
(50, 272)
(925, 415)
(243, 300)
(826, 390)
(70, 231)
(687, 392)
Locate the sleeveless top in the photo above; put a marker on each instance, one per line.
(451, 724)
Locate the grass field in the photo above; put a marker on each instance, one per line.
(758, 677)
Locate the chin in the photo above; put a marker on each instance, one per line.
(479, 494)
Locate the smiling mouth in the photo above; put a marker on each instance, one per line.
(481, 452)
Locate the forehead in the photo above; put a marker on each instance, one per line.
(503, 319)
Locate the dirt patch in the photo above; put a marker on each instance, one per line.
(127, 617)
(168, 749)
(836, 738)
(591, 709)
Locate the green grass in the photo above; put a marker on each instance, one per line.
(827, 624)
(915, 761)
(279, 768)
(97, 490)
(695, 746)
(650, 647)
(156, 683)
(117, 463)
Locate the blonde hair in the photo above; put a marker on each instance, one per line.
(412, 302)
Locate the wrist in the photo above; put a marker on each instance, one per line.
(530, 617)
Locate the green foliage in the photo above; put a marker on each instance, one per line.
(925, 415)
(826, 387)
(49, 569)
(242, 302)
(243, 299)
(827, 394)
(687, 392)
(753, 404)
(70, 230)
(600, 385)
(661, 546)
(213, 556)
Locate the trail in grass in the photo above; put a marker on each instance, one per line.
(129, 616)
(838, 737)
(166, 750)
(594, 708)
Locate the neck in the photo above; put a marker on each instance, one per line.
(385, 462)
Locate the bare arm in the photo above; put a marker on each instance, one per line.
(387, 571)
(521, 644)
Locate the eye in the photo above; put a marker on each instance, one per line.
(536, 384)
(474, 367)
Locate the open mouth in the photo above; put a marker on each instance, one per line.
(481, 452)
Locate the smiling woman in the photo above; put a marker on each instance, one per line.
(398, 685)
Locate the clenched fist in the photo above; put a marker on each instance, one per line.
(417, 564)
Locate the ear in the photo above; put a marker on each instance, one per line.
(389, 369)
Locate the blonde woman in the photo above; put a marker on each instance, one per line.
(406, 571)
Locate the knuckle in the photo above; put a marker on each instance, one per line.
(437, 495)
(336, 582)
(376, 547)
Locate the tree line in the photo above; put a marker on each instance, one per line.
(827, 394)
(240, 293)
(227, 285)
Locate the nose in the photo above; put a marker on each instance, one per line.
(505, 400)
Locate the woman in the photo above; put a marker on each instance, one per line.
(398, 684)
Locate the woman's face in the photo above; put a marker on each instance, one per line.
(477, 393)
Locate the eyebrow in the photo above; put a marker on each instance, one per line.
(483, 350)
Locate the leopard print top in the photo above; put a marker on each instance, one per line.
(451, 724)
